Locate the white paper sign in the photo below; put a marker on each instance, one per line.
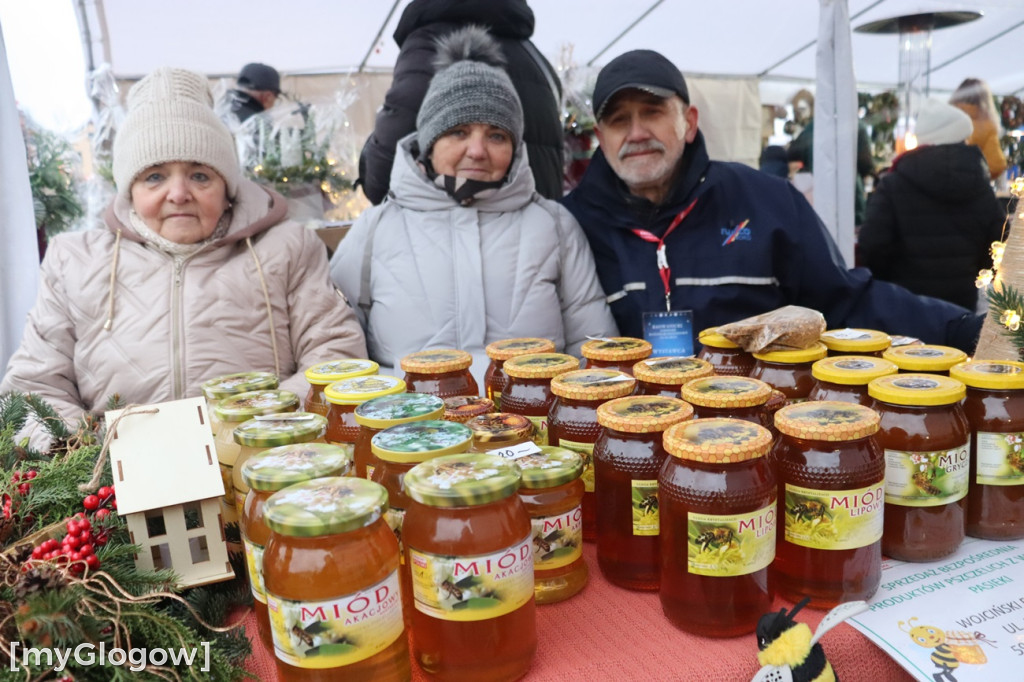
(517, 451)
(956, 620)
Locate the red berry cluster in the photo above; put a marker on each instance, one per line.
(77, 548)
(20, 479)
(101, 503)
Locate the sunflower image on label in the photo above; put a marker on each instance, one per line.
(725, 546)
(540, 430)
(834, 519)
(1000, 459)
(927, 479)
(254, 560)
(557, 540)
(337, 632)
(468, 588)
(395, 517)
(586, 452)
(645, 507)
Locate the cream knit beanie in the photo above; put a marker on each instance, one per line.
(941, 123)
(170, 118)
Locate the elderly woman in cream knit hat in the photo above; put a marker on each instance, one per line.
(196, 273)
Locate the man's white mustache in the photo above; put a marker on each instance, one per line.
(640, 147)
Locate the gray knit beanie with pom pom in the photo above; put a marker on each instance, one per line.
(470, 85)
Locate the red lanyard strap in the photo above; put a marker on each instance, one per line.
(662, 259)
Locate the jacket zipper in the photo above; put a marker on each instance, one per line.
(177, 365)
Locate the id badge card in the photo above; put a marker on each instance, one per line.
(670, 332)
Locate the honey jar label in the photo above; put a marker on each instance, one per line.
(337, 632)
(395, 517)
(369, 472)
(730, 545)
(254, 560)
(645, 507)
(557, 540)
(586, 452)
(927, 479)
(496, 399)
(468, 588)
(540, 430)
(1000, 459)
(834, 519)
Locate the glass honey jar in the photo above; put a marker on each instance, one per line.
(441, 372)
(617, 352)
(377, 414)
(528, 390)
(468, 545)
(344, 397)
(994, 407)
(628, 455)
(500, 352)
(572, 422)
(499, 431)
(552, 492)
(846, 377)
(215, 390)
(330, 570)
(856, 342)
(926, 439)
(265, 473)
(462, 408)
(717, 498)
(924, 358)
(726, 357)
(729, 397)
(323, 374)
(666, 376)
(831, 478)
(789, 371)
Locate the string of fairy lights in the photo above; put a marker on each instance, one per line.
(1003, 298)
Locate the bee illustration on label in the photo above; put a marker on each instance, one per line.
(649, 504)
(451, 590)
(716, 538)
(923, 481)
(303, 636)
(950, 648)
(811, 511)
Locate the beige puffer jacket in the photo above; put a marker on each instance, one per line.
(115, 316)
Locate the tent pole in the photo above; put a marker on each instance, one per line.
(624, 32)
(380, 32)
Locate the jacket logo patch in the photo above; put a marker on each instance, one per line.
(737, 233)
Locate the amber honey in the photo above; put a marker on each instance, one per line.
(344, 397)
(528, 391)
(789, 371)
(500, 352)
(666, 376)
(845, 378)
(323, 374)
(444, 373)
(726, 357)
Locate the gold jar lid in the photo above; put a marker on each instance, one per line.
(540, 365)
(643, 413)
(616, 349)
(855, 340)
(999, 375)
(917, 389)
(498, 428)
(671, 371)
(360, 389)
(717, 441)
(328, 372)
(852, 370)
(726, 391)
(925, 358)
(593, 384)
(828, 420)
(711, 337)
(510, 348)
(795, 357)
(462, 408)
(437, 361)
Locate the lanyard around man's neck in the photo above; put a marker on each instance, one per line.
(663, 269)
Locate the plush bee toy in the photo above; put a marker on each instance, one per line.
(788, 652)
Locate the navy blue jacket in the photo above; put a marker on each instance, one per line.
(751, 244)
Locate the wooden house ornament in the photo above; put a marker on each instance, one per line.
(169, 490)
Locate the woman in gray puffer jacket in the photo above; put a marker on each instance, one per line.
(464, 251)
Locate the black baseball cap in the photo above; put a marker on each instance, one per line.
(644, 70)
(260, 77)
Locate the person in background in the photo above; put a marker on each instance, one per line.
(195, 275)
(465, 252)
(259, 86)
(723, 240)
(510, 22)
(974, 97)
(931, 220)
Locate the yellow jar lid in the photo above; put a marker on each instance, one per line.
(436, 361)
(793, 357)
(462, 408)
(917, 389)
(243, 406)
(287, 465)
(711, 337)
(855, 340)
(418, 441)
(1004, 375)
(616, 349)
(717, 441)
(925, 358)
(642, 413)
(498, 428)
(828, 420)
(271, 430)
(593, 384)
(540, 365)
(336, 370)
(550, 467)
(510, 348)
(726, 391)
(674, 371)
(852, 370)
(360, 389)
(232, 384)
(400, 408)
(325, 506)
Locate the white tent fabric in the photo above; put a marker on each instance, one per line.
(19, 257)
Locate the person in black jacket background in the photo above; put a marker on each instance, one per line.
(931, 220)
(510, 23)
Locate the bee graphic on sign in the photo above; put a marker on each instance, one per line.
(950, 648)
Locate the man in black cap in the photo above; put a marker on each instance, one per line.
(258, 88)
(683, 243)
